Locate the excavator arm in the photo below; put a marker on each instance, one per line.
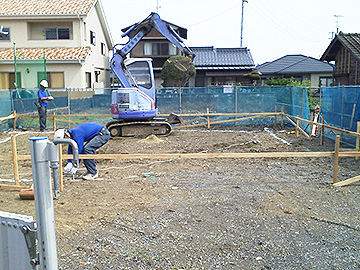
(138, 31)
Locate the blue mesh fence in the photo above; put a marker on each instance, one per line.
(222, 99)
(227, 99)
(340, 106)
(5, 108)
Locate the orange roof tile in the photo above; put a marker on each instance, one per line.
(44, 7)
(49, 53)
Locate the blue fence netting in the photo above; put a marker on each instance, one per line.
(221, 99)
(340, 106)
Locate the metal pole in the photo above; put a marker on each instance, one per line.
(43, 203)
(242, 22)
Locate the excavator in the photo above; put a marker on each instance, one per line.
(133, 105)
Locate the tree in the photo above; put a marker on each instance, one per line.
(177, 70)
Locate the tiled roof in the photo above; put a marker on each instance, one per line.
(295, 64)
(351, 41)
(49, 53)
(44, 7)
(222, 57)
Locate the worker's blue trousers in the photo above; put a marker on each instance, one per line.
(91, 146)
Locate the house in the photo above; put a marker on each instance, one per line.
(71, 35)
(222, 66)
(299, 67)
(156, 46)
(344, 50)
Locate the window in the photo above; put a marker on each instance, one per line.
(92, 38)
(103, 48)
(57, 33)
(326, 81)
(55, 79)
(159, 49)
(5, 34)
(140, 71)
(88, 79)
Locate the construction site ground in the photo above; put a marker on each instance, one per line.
(260, 213)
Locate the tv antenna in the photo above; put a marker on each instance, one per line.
(157, 6)
(337, 22)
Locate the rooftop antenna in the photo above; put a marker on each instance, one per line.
(242, 22)
(337, 22)
(157, 6)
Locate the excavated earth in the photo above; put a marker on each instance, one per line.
(217, 213)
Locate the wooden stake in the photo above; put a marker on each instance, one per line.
(54, 121)
(85, 117)
(208, 118)
(15, 160)
(297, 126)
(282, 117)
(357, 137)
(336, 158)
(61, 178)
(311, 125)
(275, 116)
(322, 130)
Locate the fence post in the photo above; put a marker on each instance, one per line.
(15, 160)
(54, 121)
(14, 123)
(208, 118)
(311, 125)
(336, 158)
(275, 116)
(322, 130)
(282, 117)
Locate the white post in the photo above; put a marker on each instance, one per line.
(43, 203)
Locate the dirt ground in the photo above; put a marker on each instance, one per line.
(280, 213)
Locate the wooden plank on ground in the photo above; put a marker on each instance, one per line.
(347, 181)
(11, 187)
(205, 155)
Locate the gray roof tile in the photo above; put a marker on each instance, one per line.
(294, 64)
(222, 57)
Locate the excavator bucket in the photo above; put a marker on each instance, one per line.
(174, 118)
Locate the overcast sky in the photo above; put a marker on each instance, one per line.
(272, 28)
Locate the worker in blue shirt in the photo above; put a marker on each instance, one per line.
(42, 105)
(89, 137)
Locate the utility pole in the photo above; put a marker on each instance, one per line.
(242, 22)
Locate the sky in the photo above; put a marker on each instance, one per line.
(271, 28)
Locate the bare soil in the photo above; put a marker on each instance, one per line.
(263, 213)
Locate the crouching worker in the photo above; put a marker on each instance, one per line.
(89, 137)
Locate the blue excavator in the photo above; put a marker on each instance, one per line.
(133, 105)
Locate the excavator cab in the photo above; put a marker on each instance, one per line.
(138, 101)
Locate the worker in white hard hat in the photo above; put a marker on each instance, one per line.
(42, 104)
(89, 137)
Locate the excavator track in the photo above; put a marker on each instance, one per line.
(133, 129)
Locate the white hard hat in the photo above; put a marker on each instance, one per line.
(59, 134)
(44, 83)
